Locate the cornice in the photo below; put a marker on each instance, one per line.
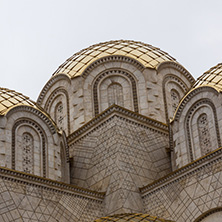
(123, 113)
(189, 169)
(29, 179)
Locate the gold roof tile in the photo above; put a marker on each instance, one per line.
(10, 98)
(149, 56)
(137, 53)
(213, 77)
(127, 49)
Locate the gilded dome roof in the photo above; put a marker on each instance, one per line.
(132, 217)
(10, 98)
(147, 55)
(213, 77)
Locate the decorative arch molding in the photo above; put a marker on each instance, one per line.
(175, 80)
(190, 112)
(189, 96)
(178, 67)
(39, 129)
(208, 213)
(57, 92)
(37, 113)
(50, 83)
(115, 72)
(113, 58)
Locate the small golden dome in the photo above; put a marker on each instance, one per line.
(132, 218)
(213, 77)
(147, 55)
(10, 98)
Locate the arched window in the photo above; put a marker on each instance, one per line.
(204, 134)
(115, 94)
(175, 99)
(27, 152)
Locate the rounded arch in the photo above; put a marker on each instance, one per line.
(49, 84)
(114, 72)
(116, 58)
(38, 113)
(203, 217)
(178, 67)
(189, 96)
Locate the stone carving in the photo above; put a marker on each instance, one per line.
(43, 143)
(193, 108)
(175, 99)
(27, 153)
(59, 115)
(55, 94)
(204, 134)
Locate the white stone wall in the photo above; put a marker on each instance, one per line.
(118, 156)
(186, 195)
(44, 159)
(25, 198)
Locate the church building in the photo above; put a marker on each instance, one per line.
(120, 132)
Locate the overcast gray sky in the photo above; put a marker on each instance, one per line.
(38, 35)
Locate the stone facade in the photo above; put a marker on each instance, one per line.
(121, 128)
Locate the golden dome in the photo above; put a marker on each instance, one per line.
(10, 98)
(132, 218)
(147, 55)
(213, 77)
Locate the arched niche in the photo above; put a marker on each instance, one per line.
(202, 130)
(103, 90)
(57, 106)
(174, 89)
(29, 148)
(115, 90)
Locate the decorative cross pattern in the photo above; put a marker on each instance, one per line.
(60, 115)
(204, 134)
(27, 153)
(175, 100)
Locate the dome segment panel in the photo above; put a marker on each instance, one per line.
(213, 77)
(147, 55)
(132, 217)
(10, 98)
